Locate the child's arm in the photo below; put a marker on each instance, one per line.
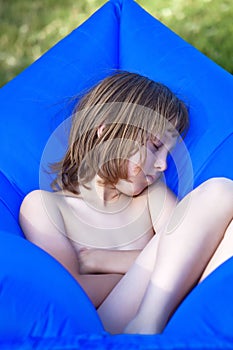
(93, 261)
(162, 203)
(42, 224)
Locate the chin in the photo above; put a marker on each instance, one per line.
(134, 190)
(138, 191)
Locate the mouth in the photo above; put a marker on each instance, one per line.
(150, 179)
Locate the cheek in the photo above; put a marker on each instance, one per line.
(134, 170)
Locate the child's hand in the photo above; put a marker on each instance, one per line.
(88, 261)
(105, 261)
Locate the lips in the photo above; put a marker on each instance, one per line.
(150, 179)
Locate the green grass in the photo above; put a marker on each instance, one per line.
(28, 28)
(206, 24)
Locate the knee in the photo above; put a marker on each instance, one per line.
(217, 184)
(218, 190)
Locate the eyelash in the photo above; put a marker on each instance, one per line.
(156, 147)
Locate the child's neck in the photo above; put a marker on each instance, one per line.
(103, 197)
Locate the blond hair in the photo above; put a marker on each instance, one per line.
(131, 108)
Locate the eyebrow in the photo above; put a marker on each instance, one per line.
(174, 134)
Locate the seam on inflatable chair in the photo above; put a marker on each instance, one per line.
(8, 208)
(117, 4)
(6, 197)
(117, 8)
(8, 221)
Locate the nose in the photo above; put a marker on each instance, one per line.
(160, 163)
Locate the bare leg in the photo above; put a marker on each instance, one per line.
(180, 251)
(122, 303)
(223, 252)
(184, 252)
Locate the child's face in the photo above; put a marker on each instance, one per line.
(142, 176)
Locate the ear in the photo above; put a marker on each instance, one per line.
(100, 130)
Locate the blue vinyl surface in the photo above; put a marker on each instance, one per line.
(41, 305)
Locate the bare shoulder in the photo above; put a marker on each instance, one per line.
(162, 202)
(38, 200)
(40, 209)
(160, 189)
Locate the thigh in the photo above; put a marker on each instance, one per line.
(223, 252)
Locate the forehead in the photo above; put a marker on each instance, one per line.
(170, 135)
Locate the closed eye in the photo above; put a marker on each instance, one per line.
(156, 146)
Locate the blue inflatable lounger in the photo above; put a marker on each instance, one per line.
(41, 304)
